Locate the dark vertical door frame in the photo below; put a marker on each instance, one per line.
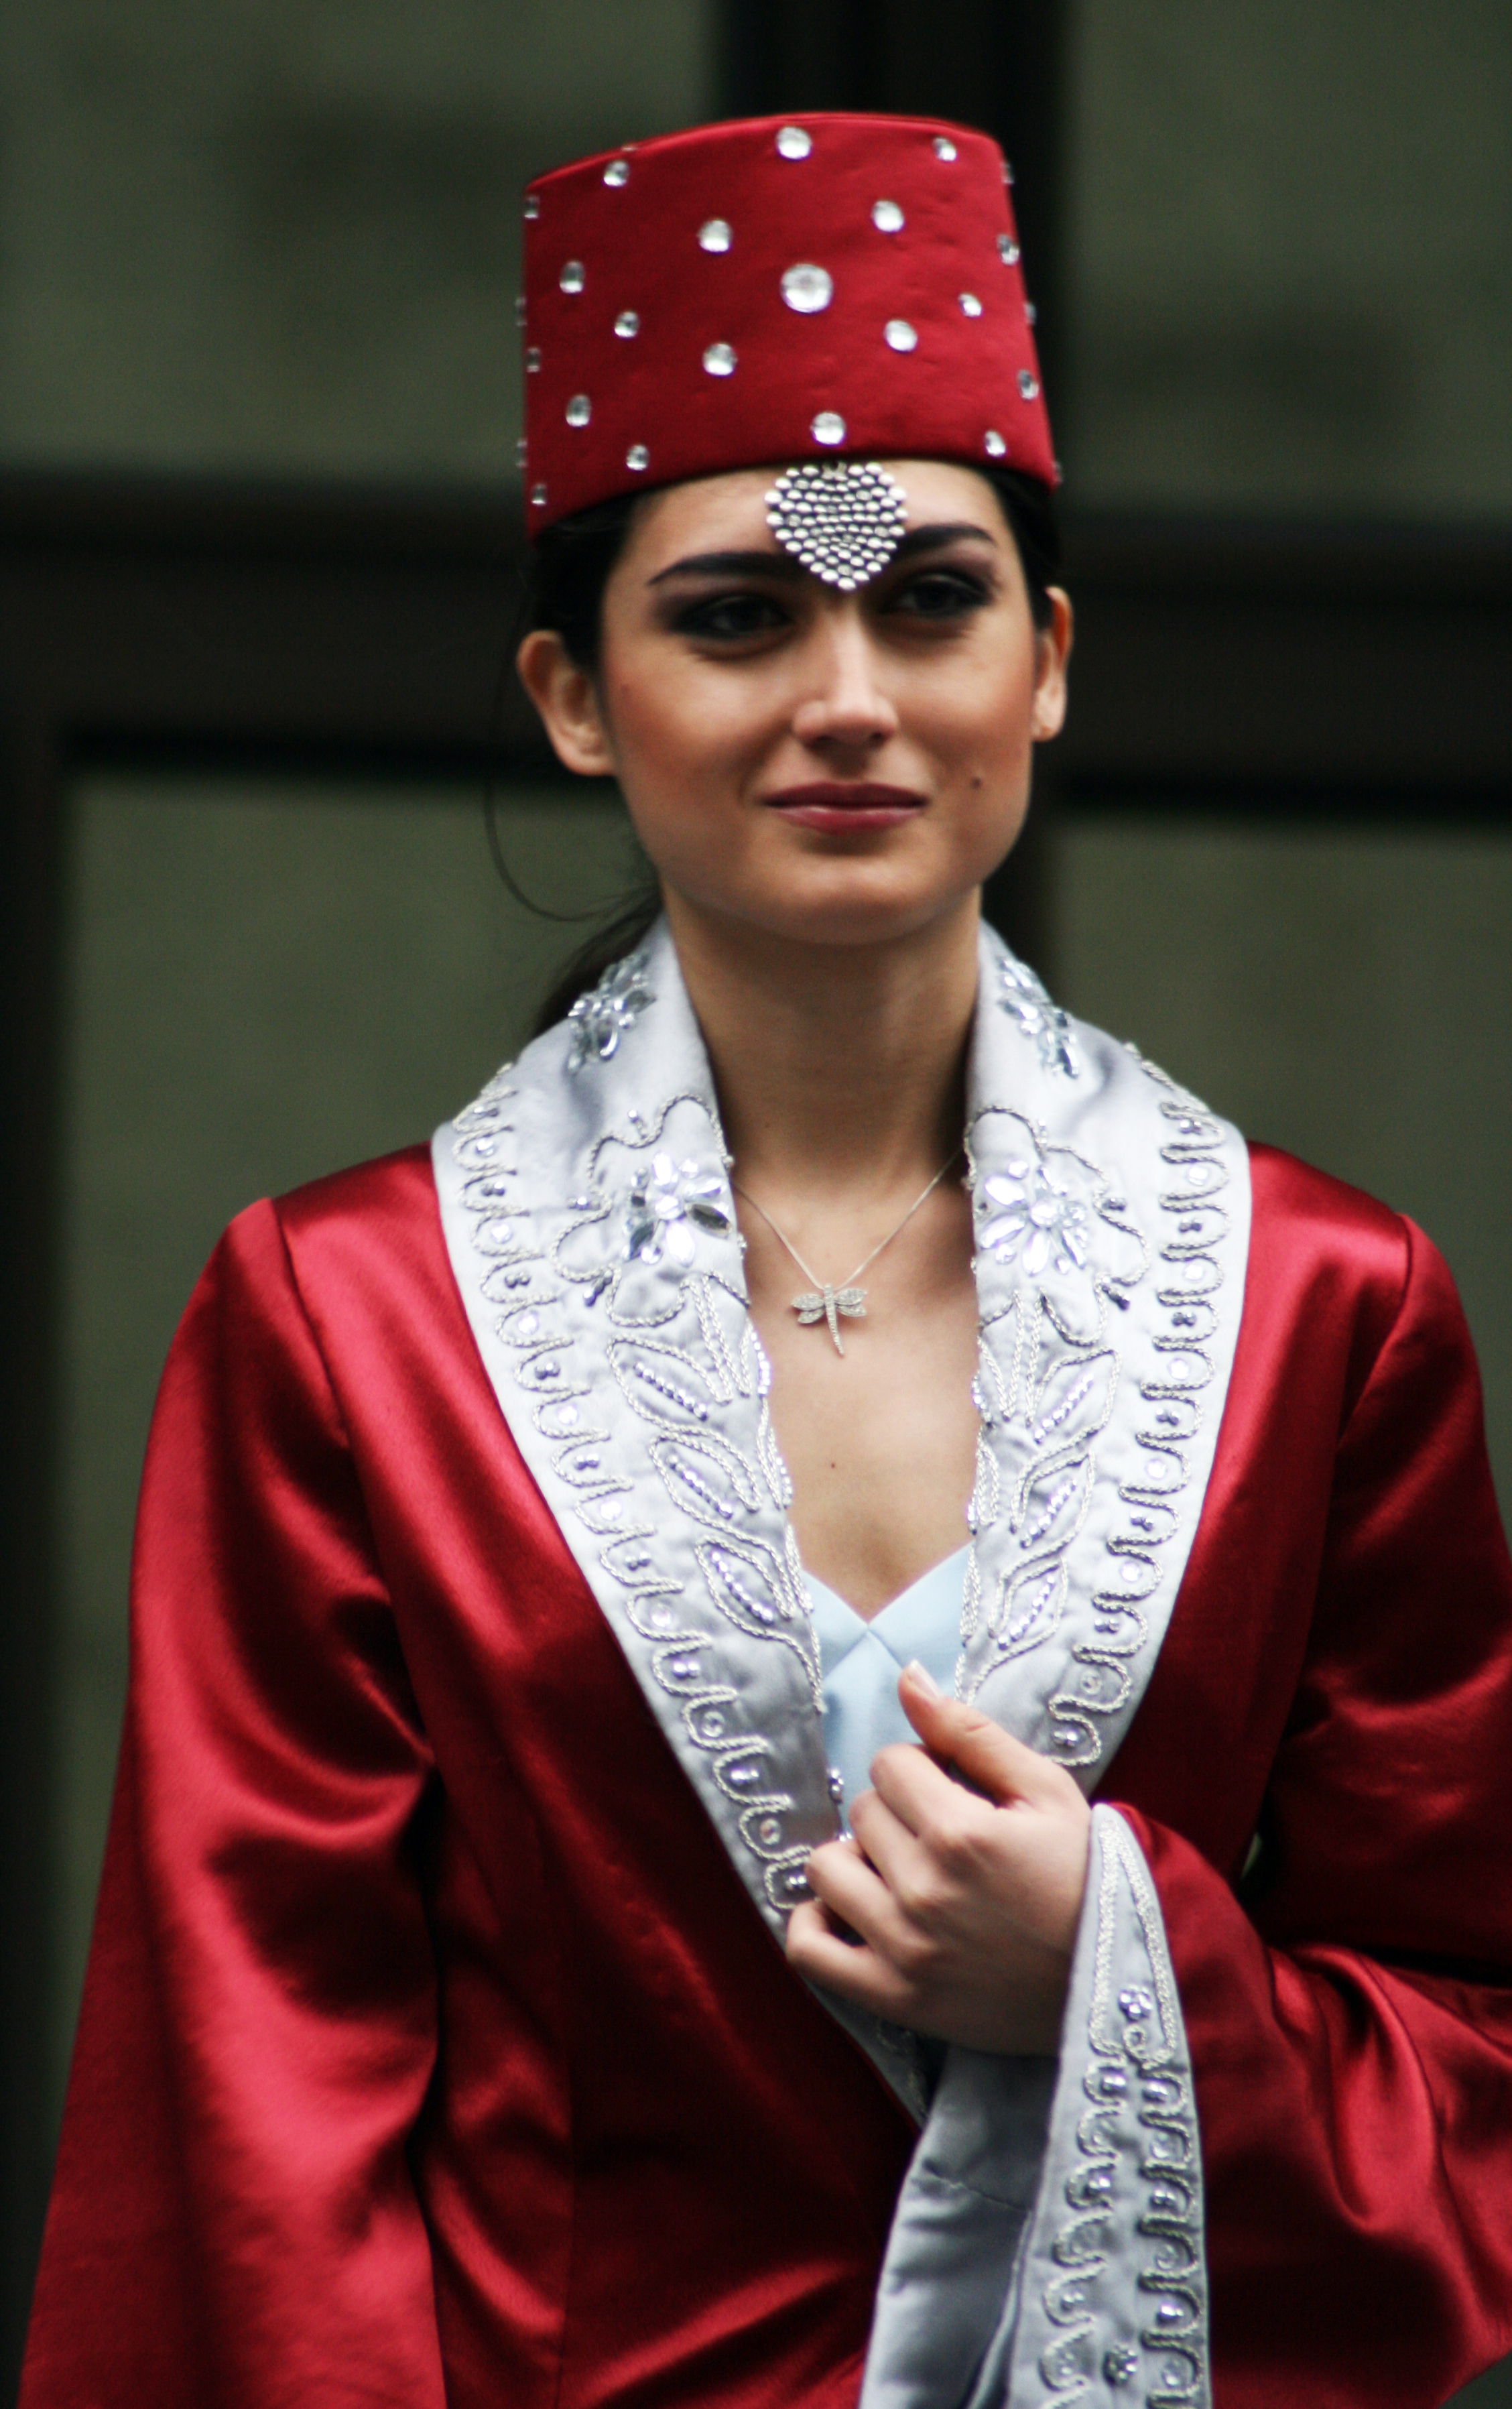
(1000, 65)
(30, 889)
(148, 620)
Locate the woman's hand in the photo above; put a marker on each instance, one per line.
(951, 1912)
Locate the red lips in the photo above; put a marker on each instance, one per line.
(843, 807)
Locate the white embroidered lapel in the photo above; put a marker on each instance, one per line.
(1112, 1233)
(587, 1211)
(1041, 2246)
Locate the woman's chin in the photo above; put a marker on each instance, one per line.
(851, 912)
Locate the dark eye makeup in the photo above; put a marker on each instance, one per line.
(940, 594)
(937, 595)
(729, 617)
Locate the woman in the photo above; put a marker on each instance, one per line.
(532, 1531)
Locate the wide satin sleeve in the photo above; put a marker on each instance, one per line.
(1347, 2004)
(259, 2027)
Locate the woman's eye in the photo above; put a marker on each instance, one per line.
(728, 617)
(939, 594)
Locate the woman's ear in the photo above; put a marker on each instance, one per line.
(1054, 650)
(567, 701)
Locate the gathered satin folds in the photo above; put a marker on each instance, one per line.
(432, 2050)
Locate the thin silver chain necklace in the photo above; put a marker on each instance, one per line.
(827, 1303)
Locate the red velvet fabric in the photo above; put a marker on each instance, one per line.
(431, 2048)
(690, 235)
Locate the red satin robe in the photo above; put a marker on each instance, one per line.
(432, 2049)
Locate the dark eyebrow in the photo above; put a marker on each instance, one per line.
(732, 564)
(783, 565)
(930, 538)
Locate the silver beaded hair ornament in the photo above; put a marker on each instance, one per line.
(842, 519)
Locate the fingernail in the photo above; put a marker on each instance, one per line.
(922, 1678)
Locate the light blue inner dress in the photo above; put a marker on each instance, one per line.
(860, 1663)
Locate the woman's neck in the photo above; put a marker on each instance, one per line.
(839, 1068)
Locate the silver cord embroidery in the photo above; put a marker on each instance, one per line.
(1050, 1217)
(642, 1256)
(678, 1387)
(1046, 1417)
(599, 1256)
(1141, 2125)
(1173, 1400)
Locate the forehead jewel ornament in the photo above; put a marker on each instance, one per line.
(842, 519)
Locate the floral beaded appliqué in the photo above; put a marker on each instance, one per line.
(599, 1020)
(1024, 998)
(1034, 1219)
(669, 1202)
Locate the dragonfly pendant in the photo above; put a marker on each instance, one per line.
(828, 1305)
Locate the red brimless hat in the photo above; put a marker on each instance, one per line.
(772, 291)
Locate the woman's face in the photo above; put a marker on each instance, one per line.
(839, 768)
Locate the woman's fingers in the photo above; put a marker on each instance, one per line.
(889, 1832)
(913, 1788)
(852, 1890)
(953, 1908)
(855, 1971)
(990, 1758)
(865, 1967)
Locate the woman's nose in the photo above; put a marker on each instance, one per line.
(844, 702)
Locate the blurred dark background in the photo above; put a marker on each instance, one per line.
(258, 560)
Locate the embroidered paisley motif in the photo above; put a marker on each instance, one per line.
(594, 1237)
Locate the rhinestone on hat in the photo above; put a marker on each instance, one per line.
(637, 457)
(572, 279)
(842, 519)
(617, 172)
(627, 324)
(944, 149)
(715, 235)
(807, 288)
(899, 335)
(532, 207)
(532, 360)
(1029, 386)
(993, 445)
(521, 453)
(1007, 251)
(579, 409)
(970, 305)
(793, 143)
(886, 217)
(828, 427)
(719, 359)
(538, 496)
